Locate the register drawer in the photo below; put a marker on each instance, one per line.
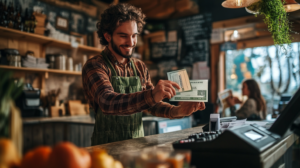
(159, 125)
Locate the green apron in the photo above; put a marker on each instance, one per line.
(111, 128)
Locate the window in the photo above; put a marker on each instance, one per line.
(276, 73)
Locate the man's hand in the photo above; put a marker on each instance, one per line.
(187, 108)
(164, 89)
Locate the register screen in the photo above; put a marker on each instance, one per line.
(253, 135)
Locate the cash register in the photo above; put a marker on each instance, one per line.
(241, 146)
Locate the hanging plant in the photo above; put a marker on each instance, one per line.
(275, 16)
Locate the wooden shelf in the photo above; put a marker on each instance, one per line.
(47, 41)
(66, 72)
(37, 70)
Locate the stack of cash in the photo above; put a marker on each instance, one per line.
(190, 90)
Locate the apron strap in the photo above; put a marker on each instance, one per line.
(133, 66)
(111, 67)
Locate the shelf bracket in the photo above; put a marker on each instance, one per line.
(46, 75)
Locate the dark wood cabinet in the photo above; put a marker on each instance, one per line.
(50, 133)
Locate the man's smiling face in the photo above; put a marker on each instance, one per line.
(124, 39)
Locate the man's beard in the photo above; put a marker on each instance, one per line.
(118, 51)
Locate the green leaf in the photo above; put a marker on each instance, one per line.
(276, 18)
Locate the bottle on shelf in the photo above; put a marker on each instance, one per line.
(18, 18)
(25, 21)
(11, 15)
(4, 15)
(1, 13)
(1, 6)
(32, 22)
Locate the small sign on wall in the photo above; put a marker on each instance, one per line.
(61, 23)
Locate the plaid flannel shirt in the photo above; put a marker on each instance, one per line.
(99, 91)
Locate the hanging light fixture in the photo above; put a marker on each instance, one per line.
(290, 5)
(238, 3)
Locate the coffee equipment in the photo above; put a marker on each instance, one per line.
(58, 61)
(10, 57)
(29, 102)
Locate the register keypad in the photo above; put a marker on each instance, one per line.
(200, 137)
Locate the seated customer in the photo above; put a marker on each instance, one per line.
(254, 107)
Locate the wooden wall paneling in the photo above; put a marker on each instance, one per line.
(87, 134)
(215, 51)
(67, 132)
(18, 74)
(237, 21)
(42, 81)
(145, 5)
(37, 135)
(13, 44)
(27, 77)
(34, 47)
(3, 43)
(58, 133)
(27, 138)
(36, 82)
(262, 41)
(81, 135)
(90, 131)
(72, 133)
(22, 47)
(43, 51)
(222, 72)
(48, 134)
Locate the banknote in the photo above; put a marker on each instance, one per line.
(181, 78)
(199, 92)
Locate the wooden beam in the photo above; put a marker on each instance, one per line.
(262, 41)
(237, 22)
(214, 69)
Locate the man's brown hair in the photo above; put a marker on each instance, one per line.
(116, 14)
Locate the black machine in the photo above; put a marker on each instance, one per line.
(29, 102)
(241, 146)
(284, 100)
(5, 54)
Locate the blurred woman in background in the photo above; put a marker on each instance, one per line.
(254, 107)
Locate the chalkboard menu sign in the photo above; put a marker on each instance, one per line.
(187, 40)
(164, 49)
(195, 33)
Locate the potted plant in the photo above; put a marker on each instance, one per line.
(10, 118)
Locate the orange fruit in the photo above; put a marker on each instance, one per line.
(36, 158)
(67, 155)
(9, 156)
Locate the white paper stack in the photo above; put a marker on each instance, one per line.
(236, 123)
(33, 62)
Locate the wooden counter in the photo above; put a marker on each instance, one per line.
(268, 158)
(83, 119)
(134, 145)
